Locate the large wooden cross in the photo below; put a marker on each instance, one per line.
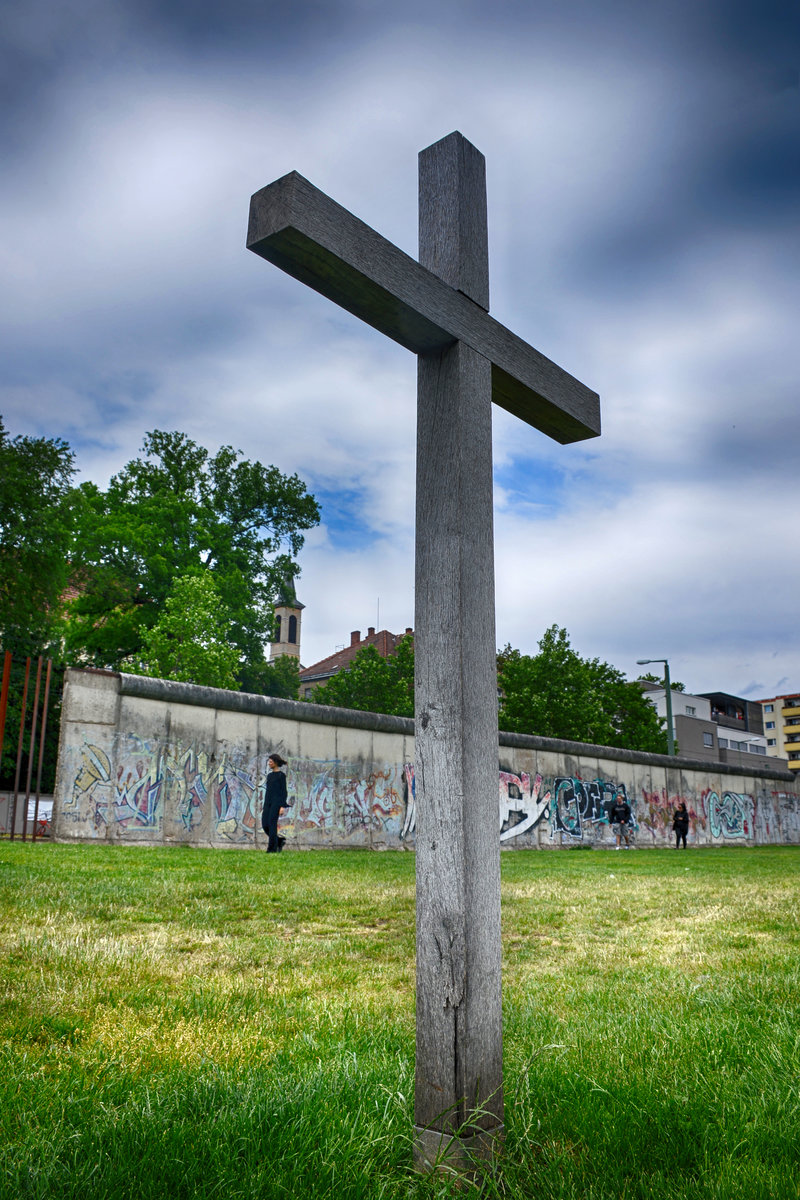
(438, 308)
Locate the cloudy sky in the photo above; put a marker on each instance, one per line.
(643, 167)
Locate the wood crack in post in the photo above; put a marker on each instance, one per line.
(452, 961)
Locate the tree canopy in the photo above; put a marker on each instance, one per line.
(278, 678)
(558, 694)
(675, 685)
(176, 512)
(554, 693)
(190, 641)
(36, 516)
(374, 684)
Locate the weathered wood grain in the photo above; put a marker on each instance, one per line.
(459, 1028)
(311, 237)
(453, 225)
(459, 1019)
(437, 308)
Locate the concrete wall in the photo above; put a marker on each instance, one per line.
(145, 760)
(7, 810)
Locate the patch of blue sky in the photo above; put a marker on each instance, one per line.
(540, 488)
(533, 486)
(343, 515)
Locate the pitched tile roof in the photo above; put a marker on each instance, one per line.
(385, 643)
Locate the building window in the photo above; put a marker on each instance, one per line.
(758, 749)
(292, 629)
(769, 708)
(794, 755)
(691, 712)
(771, 742)
(723, 742)
(770, 724)
(308, 692)
(708, 739)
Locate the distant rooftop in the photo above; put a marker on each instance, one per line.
(385, 643)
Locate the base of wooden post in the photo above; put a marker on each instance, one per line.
(450, 1154)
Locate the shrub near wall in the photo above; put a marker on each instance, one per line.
(148, 760)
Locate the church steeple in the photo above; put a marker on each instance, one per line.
(288, 610)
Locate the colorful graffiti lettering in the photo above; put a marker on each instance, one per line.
(582, 805)
(657, 809)
(233, 792)
(787, 811)
(91, 786)
(153, 789)
(385, 795)
(189, 770)
(521, 807)
(138, 794)
(730, 817)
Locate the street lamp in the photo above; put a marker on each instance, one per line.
(642, 662)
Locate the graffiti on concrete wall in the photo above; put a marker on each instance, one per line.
(191, 770)
(731, 816)
(572, 806)
(581, 807)
(786, 807)
(522, 803)
(150, 790)
(656, 810)
(91, 787)
(331, 794)
(221, 797)
(152, 781)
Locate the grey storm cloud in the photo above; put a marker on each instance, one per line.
(643, 189)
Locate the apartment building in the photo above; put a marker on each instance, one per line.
(712, 727)
(781, 717)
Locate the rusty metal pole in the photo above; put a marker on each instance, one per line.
(41, 747)
(19, 745)
(4, 701)
(32, 747)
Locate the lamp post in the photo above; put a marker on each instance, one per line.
(642, 662)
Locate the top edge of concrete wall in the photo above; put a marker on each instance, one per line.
(171, 691)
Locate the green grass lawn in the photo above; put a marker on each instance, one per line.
(199, 1023)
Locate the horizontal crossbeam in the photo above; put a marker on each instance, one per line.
(311, 237)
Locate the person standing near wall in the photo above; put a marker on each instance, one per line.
(620, 817)
(274, 801)
(680, 823)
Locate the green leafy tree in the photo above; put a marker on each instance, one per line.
(36, 517)
(280, 678)
(556, 693)
(675, 686)
(178, 511)
(374, 684)
(190, 640)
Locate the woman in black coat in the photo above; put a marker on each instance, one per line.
(274, 801)
(680, 823)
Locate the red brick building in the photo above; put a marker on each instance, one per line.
(385, 643)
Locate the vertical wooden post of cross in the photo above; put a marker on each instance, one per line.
(459, 1101)
(438, 309)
